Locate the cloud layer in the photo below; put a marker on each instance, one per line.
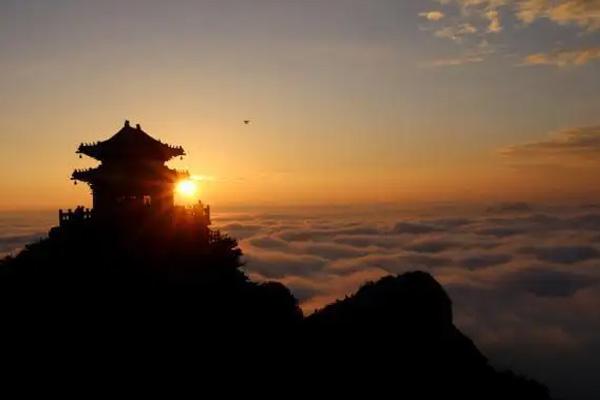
(19, 229)
(518, 273)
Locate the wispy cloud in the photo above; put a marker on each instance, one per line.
(584, 13)
(481, 18)
(580, 143)
(475, 21)
(475, 55)
(480, 12)
(457, 32)
(450, 62)
(564, 58)
(495, 26)
(432, 15)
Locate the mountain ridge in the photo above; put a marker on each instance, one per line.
(117, 292)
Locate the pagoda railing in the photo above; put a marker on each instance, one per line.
(77, 216)
(82, 170)
(193, 217)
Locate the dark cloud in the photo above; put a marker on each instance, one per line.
(331, 251)
(423, 261)
(302, 235)
(500, 231)
(232, 217)
(582, 143)
(504, 227)
(269, 242)
(431, 246)
(546, 282)
(278, 265)
(381, 241)
(358, 231)
(484, 260)
(590, 206)
(306, 234)
(504, 208)
(450, 223)
(540, 220)
(527, 221)
(241, 230)
(562, 254)
(588, 222)
(392, 263)
(415, 228)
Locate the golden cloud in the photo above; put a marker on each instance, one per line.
(449, 62)
(585, 13)
(456, 32)
(577, 143)
(564, 58)
(432, 15)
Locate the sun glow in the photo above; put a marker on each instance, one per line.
(187, 188)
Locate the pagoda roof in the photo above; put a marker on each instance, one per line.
(114, 174)
(130, 143)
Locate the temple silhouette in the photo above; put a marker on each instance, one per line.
(137, 277)
(132, 187)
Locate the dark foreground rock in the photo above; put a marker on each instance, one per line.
(162, 297)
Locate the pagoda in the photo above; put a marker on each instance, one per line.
(132, 181)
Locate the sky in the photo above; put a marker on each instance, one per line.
(349, 101)
(460, 137)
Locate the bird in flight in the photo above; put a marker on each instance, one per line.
(246, 121)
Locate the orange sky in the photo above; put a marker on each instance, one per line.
(362, 103)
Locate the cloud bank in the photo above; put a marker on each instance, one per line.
(518, 273)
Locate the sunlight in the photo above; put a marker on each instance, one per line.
(187, 188)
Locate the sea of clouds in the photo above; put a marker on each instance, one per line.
(524, 279)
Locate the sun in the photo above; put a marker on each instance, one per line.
(187, 188)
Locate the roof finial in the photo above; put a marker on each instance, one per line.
(126, 122)
(138, 127)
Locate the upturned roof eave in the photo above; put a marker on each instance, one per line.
(129, 141)
(97, 152)
(99, 173)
